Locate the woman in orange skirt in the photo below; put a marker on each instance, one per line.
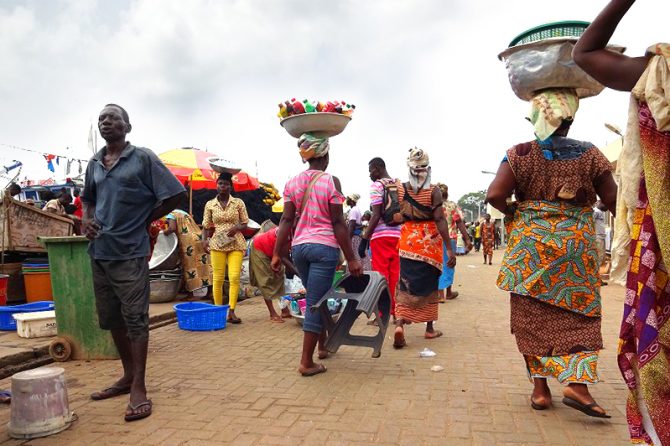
(421, 239)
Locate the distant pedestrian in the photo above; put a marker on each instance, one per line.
(355, 226)
(478, 235)
(455, 221)
(78, 207)
(383, 231)
(488, 238)
(126, 188)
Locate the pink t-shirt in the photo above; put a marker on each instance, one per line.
(315, 225)
(377, 198)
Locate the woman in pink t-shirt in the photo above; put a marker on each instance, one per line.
(314, 198)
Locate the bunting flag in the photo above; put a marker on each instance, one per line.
(49, 159)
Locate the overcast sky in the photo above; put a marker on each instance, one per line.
(209, 74)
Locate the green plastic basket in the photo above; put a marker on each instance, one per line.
(571, 28)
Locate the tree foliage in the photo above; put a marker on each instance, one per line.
(472, 201)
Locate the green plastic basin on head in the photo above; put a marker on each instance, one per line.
(568, 28)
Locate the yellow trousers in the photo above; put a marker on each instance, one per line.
(219, 261)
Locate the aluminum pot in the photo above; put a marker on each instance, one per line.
(548, 63)
(164, 290)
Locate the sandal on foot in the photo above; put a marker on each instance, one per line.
(110, 392)
(237, 320)
(322, 354)
(319, 368)
(585, 408)
(5, 397)
(277, 319)
(135, 414)
(451, 296)
(433, 335)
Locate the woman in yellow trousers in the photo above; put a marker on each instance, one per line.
(224, 220)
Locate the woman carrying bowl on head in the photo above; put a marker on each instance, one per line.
(224, 220)
(550, 266)
(314, 199)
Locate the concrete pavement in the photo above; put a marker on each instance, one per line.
(240, 385)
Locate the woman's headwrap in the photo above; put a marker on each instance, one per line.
(418, 162)
(550, 108)
(311, 146)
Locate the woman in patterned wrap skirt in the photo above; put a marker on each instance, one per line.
(550, 265)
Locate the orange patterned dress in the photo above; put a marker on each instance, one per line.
(420, 264)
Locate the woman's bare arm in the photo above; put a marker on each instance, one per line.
(611, 69)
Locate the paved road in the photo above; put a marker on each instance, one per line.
(240, 386)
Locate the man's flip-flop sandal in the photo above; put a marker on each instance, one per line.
(320, 368)
(110, 392)
(139, 415)
(585, 408)
(235, 321)
(5, 397)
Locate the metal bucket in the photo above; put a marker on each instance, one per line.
(39, 404)
(166, 254)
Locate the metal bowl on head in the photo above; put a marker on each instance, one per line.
(548, 63)
(319, 124)
(221, 165)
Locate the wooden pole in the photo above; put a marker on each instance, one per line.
(190, 194)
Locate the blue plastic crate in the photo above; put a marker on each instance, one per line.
(7, 322)
(199, 316)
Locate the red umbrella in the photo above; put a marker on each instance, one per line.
(243, 181)
(191, 167)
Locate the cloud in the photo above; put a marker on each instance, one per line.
(210, 73)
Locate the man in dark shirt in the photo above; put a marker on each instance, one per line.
(125, 189)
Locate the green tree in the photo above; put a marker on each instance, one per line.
(473, 201)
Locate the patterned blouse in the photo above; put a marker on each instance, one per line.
(222, 220)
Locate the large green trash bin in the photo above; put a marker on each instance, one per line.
(79, 334)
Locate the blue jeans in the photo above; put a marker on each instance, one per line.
(316, 265)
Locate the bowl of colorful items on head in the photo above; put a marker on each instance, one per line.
(315, 117)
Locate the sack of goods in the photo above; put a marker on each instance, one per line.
(541, 58)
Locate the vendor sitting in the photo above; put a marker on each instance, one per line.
(57, 205)
(261, 275)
